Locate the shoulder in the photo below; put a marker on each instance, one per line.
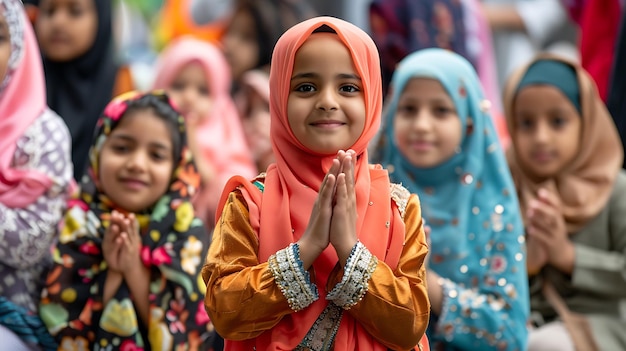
(48, 128)
(618, 194)
(401, 196)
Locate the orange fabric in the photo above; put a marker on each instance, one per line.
(586, 184)
(176, 21)
(292, 184)
(244, 301)
(124, 81)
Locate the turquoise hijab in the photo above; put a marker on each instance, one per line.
(471, 196)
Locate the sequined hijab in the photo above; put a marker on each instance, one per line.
(471, 195)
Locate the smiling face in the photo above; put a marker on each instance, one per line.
(547, 130)
(326, 106)
(136, 161)
(66, 29)
(426, 126)
(190, 91)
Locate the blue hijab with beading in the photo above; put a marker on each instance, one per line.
(469, 200)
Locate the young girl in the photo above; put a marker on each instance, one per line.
(126, 267)
(196, 76)
(566, 161)
(35, 177)
(253, 30)
(76, 41)
(440, 142)
(322, 252)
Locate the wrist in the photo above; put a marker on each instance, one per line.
(565, 259)
(138, 268)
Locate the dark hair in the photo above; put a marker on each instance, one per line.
(160, 106)
(271, 19)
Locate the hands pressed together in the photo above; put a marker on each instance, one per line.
(334, 215)
(547, 240)
(122, 244)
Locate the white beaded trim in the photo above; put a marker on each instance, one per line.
(359, 268)
(294, 282)
(400, 195)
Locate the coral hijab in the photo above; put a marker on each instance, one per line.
(292, 185)
(22, 101)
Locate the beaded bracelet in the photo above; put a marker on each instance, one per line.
(294, 282)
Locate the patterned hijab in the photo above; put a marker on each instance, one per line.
(174, 242)
(292, 185)
(472, 193)
(586, 184)
(22, 101)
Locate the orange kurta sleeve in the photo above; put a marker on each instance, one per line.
(242, 297)
(396, 305)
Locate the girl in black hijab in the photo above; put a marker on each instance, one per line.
(76, 41)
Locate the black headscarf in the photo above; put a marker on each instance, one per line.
(79, 90)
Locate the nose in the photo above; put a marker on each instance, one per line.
(327, 100)
(542, 133)
(137, 161)
(422, 121)
(58, 18)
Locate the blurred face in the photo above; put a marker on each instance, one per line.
(547, 130)
(256, 124)
(190, 92)
(5, 47)
(66, 29)
(426, 126)
(136, 161)
(240, 44)
(326, 107)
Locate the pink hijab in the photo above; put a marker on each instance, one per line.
(22, 101)
(220, 134)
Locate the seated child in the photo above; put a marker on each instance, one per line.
(440, 142)
(126, 267)
(566, 160)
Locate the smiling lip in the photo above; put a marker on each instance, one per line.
(330, 124)
(421, 145)
(134, 184)
(542, 156)
(57, 39)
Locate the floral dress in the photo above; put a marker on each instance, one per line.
(173, 244)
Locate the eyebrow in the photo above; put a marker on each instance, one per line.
(315, 75)
(125, 137)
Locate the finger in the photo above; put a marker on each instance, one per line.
(341, 155)
(134, 225)
(341, 195)
(349, 172)
(327, 194)
(538, 235)
(549, 198)
(543, 214)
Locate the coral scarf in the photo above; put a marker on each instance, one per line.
(292, 184)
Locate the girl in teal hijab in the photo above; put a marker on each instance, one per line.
(439, 141)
